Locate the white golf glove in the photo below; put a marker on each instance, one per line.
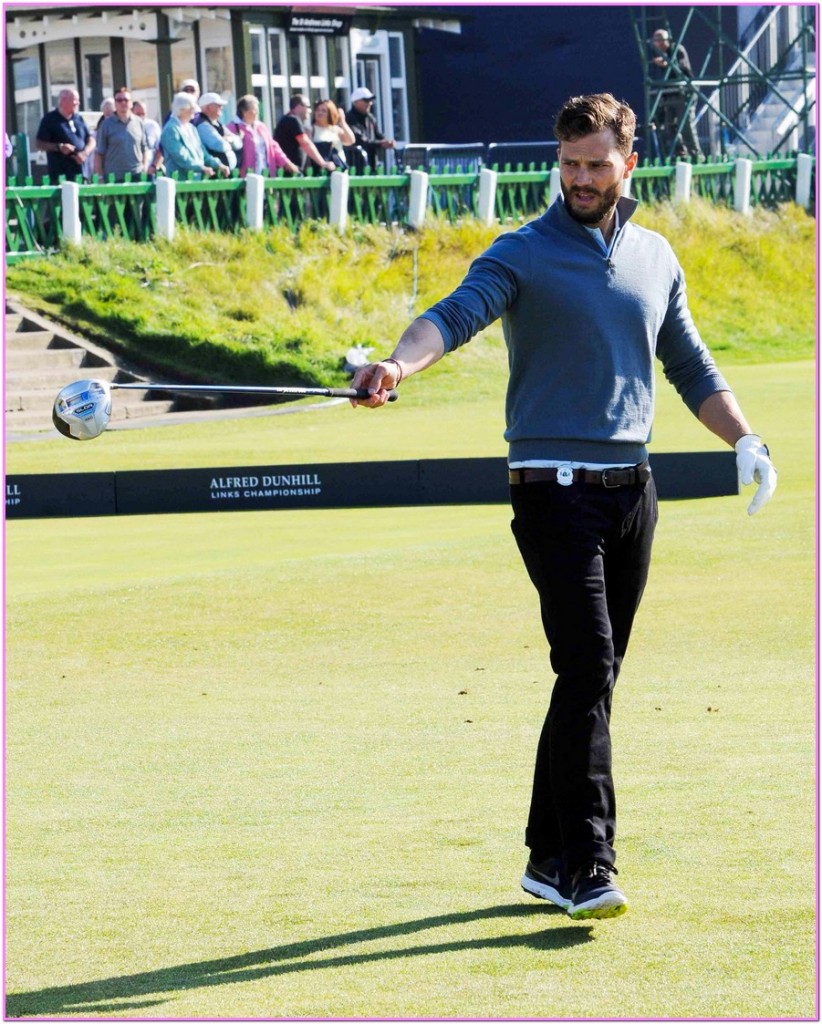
(754, 464)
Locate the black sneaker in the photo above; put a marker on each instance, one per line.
(547, 880)
(594, 895)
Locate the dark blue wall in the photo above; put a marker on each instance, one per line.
(504, 78)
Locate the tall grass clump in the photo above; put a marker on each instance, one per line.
(273, 307)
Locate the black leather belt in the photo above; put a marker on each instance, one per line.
(566, 476)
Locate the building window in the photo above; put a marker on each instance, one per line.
(97, 75)
(60, 69)
(399, 95)
(26, 74)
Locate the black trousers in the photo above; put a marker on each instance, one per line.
(587, 550)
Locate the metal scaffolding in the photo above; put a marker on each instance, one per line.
(752, 92)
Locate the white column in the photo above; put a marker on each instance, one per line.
(338, 212)
(553, 185)
(254, 199)
(417, 199)
(742, 186)
(684, 177)
(70, 198)
(166, 190)
(804, 174)
(487, 199)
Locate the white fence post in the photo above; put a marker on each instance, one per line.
(804, 175)
(338, 212)
(70, 199)
(166, 189)
(417, 199)
(487, 199)
(684, 177)
(553, 185)
(254, 196)
(742, 185)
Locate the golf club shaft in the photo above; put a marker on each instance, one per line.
(240, 389)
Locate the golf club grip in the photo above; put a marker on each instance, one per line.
(393, 395)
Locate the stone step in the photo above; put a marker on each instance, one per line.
(53, 378)
(22, 359)
(29, 340)
(38, 418)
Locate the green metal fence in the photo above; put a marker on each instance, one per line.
(129, 209)
(378, 198)
(521, 191)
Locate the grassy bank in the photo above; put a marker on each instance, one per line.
(274, 308)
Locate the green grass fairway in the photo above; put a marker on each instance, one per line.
(278, 764)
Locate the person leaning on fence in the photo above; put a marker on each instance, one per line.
(259, 151)
(122, 147)
(65, 139)
(369, 140)
(331, 133)
(293, 137)
(182, 149)
(671, 67)
(214, 135)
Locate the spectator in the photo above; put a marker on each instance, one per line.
(259, 151)
(64, 137)
(121, 141)
(369, 139)
(213, 134)
(291, 134)
(675, 108)
(107, 108)
(331, 133)
(152, 130)
(182, 150)
(191, 87)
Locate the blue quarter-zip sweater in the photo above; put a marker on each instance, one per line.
(582, 330)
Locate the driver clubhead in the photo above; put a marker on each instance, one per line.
(82, 410)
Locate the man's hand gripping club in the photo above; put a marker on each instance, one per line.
(420, 346)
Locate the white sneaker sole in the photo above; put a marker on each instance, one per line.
(543, 891)
(611, 904)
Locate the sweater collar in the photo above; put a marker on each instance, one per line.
(626, 208)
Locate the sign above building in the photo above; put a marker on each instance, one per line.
(314, 24)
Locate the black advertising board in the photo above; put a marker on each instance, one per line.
(321, 485)
(59, 495)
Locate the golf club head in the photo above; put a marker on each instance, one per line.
(82, 410)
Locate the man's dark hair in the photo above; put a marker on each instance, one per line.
(297, 99)
(587, 115)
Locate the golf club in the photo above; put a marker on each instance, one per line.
(82, 410)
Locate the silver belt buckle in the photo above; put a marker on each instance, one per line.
(565, 476)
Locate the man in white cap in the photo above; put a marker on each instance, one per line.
(364, 125)
(213, 134)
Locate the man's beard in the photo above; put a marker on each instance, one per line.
(593, 215)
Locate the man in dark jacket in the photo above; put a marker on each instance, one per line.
(370, 140)
(675, 111)
(64, 138)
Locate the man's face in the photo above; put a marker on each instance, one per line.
(122, 104)
(592, 171)
(363, 105)
(138, 108)
(212, 111)
(68, 103)
(661, 43)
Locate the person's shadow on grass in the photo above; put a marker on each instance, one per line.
(134, 991)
